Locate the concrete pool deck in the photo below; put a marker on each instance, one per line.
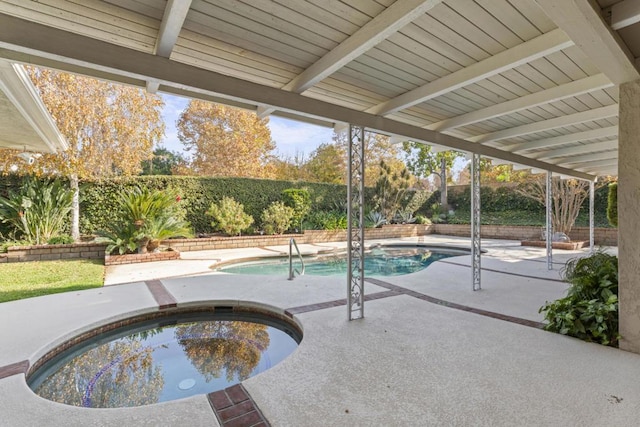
(409, 362)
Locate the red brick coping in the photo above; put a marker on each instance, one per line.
(234, 408)
(14, 369)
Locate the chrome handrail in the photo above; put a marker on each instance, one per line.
(292, 243)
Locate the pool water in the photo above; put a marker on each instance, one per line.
(160, 362)
(380, 261)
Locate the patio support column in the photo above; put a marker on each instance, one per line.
(592, 186)
(629, 216)
(475, 223)
(549, 227)
(355, 223)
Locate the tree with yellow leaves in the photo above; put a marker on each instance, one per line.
(110, 129)
(226, 141)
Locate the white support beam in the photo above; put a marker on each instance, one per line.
(264, 111)
(625, 13)
(565, 139)
(531, 50)
(391, 20)
(606, 155)
(584, 24)
(152, 86)
(31, 42)
(598, 164)
(541, 126)
(557, 93)
(578, 149)
(175, 13)
(172, 21)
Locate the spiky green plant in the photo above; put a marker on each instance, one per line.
(38, 211)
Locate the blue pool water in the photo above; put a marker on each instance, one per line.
(380, 261)
(165, 360)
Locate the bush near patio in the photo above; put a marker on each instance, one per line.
(229, 217)
(590, 309)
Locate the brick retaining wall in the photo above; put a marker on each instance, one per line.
(54, 252)
(602, 236)
(309, 236)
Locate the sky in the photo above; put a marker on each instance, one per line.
(291, 137)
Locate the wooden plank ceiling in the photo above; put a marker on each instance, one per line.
(513, 76)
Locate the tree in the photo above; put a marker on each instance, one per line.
(423, 162)
(110, 129)
(226, 141)
(163, 162)
(377, 149)
(567, 197)
(327, 163)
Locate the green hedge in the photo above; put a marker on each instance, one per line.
(197, 193)
(612, 204)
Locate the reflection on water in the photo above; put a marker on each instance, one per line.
(234, 348)
(377, 262)
(151, 366)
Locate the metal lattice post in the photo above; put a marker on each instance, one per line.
(355, 223)
(592, 186)
(475, 222)
(549, 230)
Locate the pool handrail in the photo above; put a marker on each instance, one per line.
(292, 271)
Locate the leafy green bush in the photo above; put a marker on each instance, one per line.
(299, 200)
(590, 309)
(148, 216)
(421, 219)
(229, 217)
(276, 219)
(38, 211)
(326, 220)
(612, 204)
(63, 239)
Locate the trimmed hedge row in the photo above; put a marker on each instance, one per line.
(504, 199)
(197, 193)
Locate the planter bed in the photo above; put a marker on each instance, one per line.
(570, 246)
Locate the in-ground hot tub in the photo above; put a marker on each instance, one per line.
(165, 357)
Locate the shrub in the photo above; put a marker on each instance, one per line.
(148, 216)
(323, 220)
(590, 309)
(299, 200)
(38, 211)
(374, 219)
(63, 239)
(229, 216)
(276, 219)
(421, 219)
(612, 204)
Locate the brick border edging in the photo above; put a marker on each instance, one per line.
(17, 368)
(234, 407)
(161, 294)
(394, 290)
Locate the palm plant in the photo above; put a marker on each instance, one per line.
(148, 217)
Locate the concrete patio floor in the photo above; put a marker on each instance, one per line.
(410, 362)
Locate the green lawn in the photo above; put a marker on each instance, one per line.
(32, 279)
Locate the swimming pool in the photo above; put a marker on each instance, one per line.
(165, 359)
(379, 261)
